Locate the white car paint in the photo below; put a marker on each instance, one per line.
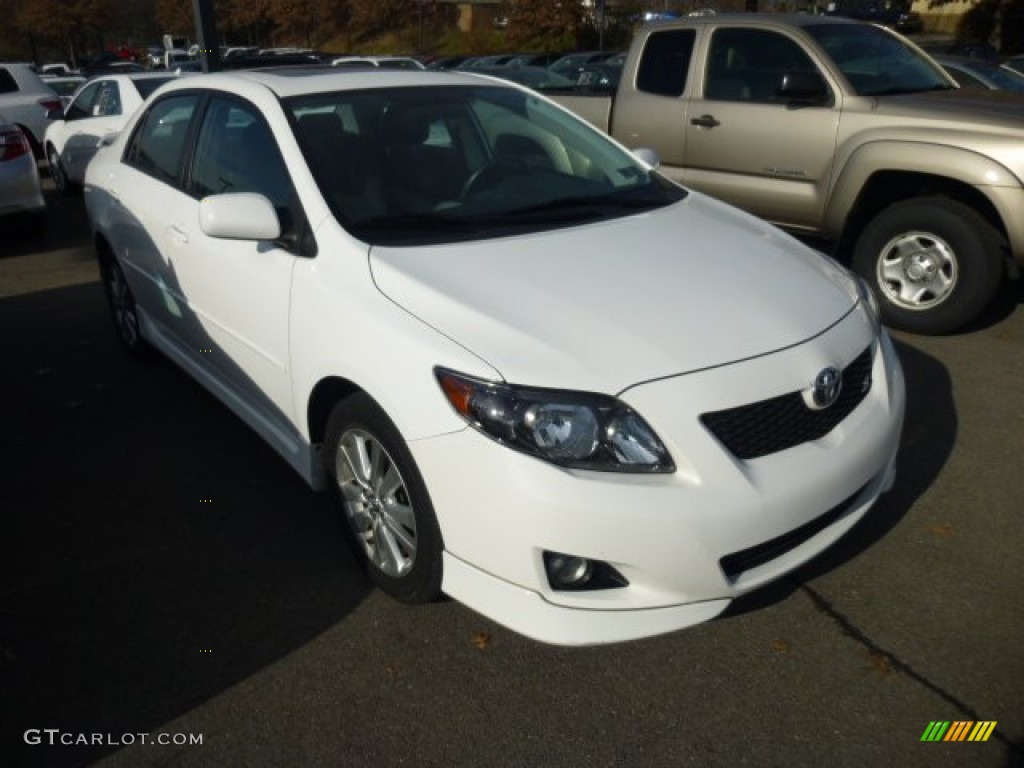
(679, 311)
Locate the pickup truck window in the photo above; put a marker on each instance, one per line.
(876, 62)
(749, 64)
(665, 62)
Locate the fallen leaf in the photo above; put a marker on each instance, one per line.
(781, 646)
(881, 663)
(942, 530)
(481, 640)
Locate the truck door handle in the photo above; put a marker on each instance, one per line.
(705, 121)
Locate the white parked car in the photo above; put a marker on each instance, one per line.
(21, 195)
(97, 112)
(541, 378)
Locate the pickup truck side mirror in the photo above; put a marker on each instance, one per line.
(806, 87)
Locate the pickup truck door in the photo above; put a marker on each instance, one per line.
(748, 145)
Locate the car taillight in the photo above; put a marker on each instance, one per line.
(50, 103)
(13, 144)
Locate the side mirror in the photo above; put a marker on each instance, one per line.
(239, 216)
(807, 87)
(57, 113)
(647, 156)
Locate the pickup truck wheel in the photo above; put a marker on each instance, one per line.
(934, 264)
(385, 500)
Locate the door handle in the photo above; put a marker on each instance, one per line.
(178, 233)
(705, 121)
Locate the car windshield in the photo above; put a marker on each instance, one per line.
(444, 163)
(877, 62)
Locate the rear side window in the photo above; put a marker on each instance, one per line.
(665, 62)
(7, 82)
(158, 144)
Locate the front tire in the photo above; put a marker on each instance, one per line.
(57, 172)
(385, 501)
(934, 264)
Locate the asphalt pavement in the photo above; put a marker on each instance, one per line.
(165, 577)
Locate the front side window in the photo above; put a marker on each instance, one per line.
(157, 147)
(749, 65)
(82, 106)
(236, 152)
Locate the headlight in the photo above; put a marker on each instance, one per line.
(571, 429)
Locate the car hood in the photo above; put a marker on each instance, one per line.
(964, 108)
(604, 306)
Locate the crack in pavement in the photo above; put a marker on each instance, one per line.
(853, 632)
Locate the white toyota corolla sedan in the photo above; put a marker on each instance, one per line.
(543, 379)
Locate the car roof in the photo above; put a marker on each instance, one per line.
(295, 81)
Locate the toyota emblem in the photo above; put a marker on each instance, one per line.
(827, 386)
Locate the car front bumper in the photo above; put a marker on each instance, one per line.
(688, 542)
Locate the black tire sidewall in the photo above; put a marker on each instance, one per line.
(423, 582)
(60, 178)
(976, 246)
(139, 349)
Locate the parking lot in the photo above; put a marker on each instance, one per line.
(163, 572)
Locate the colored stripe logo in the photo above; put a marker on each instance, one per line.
(958, 730)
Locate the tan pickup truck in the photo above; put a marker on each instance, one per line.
(841, 130)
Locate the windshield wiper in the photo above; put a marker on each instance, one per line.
(597, 203)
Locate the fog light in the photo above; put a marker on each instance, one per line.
(567, 571)
(580, 574)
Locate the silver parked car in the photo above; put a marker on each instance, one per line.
(21, 197)
(25, 100)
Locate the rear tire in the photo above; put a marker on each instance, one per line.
(123, 309)
(934, 264)
(384, 500)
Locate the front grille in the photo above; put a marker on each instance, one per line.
(739, 562)
(773, 425)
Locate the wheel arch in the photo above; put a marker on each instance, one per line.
(883, 188)
(325, 394)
